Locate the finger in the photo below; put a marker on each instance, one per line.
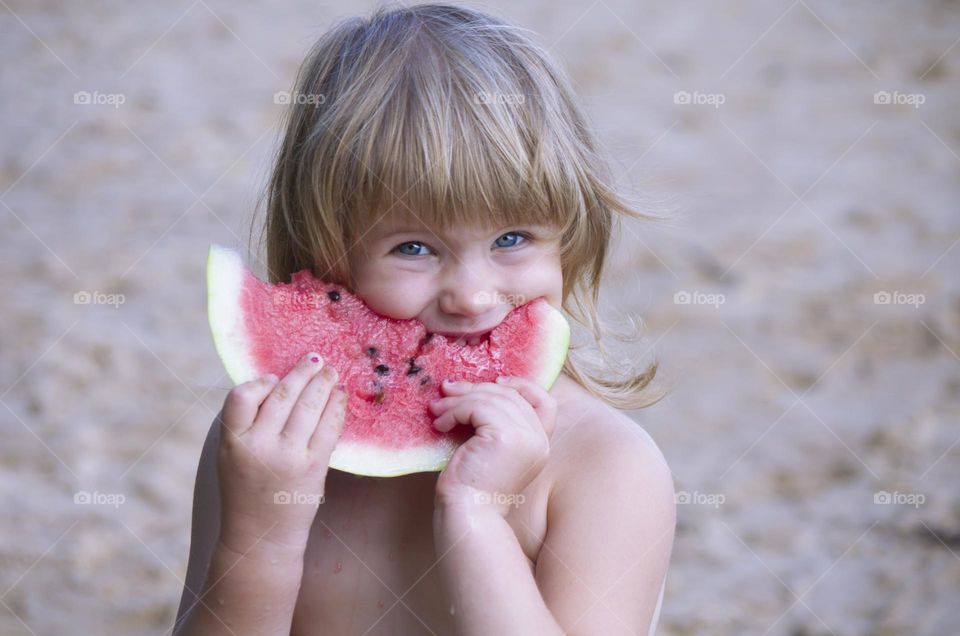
(477, 411)
(542, 402)
(243, 401)
(466, 388)
(483, 392)
(458, 387)
(330, 425)
(309, 406)
(276, 408)
(439, 406)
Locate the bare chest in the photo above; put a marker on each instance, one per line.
(370, 561)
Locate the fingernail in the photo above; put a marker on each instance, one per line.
(314, 357)
(449, 382)
(271, 378)
(501, 379)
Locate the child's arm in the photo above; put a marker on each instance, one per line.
(206, 523)
(610, 527)
(246, 557)
(486, 574)
(484, 570)
(215, 574)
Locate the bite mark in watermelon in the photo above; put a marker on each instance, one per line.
(391, 368)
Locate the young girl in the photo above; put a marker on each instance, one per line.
(436, 162)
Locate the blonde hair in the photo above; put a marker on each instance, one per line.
(449, 112)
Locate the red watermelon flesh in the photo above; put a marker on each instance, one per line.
(391, 368)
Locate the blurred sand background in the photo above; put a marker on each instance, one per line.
(798, 398)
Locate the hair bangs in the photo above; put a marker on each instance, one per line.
(459, 138)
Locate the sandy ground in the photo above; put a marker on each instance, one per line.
(798, 398)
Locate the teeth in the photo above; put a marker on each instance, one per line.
(468, 340)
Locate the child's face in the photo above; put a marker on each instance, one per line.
(459, 283)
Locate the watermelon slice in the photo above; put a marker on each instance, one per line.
(391, 368)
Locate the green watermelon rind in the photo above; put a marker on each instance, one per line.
(225, 280)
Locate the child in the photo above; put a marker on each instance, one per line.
(436, 162)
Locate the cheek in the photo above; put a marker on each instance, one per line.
(389, 294)
(545, 278)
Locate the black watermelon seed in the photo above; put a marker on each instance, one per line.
(382, 369)
(334, 296)
(414, 369)
(371, 351)
(378, 399)
(424, 380)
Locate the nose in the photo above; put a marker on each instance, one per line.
(468, 291)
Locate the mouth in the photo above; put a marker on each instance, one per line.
(471, 338)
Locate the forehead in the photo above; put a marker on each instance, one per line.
(404, 222)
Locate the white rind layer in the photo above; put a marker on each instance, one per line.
(225, 271)
(371, 461)
(553, 343)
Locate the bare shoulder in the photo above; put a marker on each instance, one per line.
(611, 518)
(596, 441)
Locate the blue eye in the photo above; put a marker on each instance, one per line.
(519, 238)
(412, 248)
(415, 244)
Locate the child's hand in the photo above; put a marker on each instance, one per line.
(514, 419)
(274, 453)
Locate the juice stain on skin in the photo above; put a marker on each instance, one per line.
(338, 567)
(379, 604)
